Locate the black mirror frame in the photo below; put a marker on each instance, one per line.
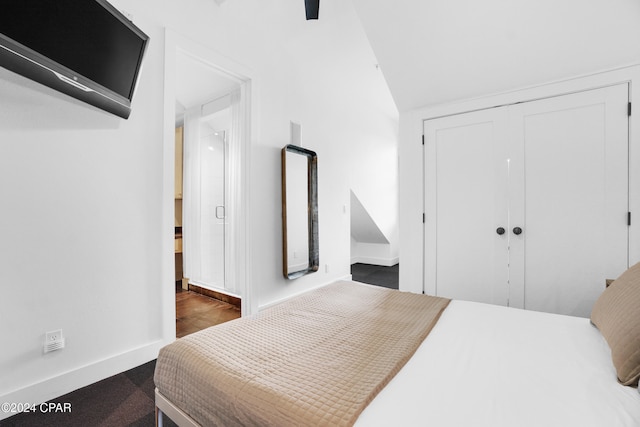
(312, 192)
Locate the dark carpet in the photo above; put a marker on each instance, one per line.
(376, 275)
(127, 399)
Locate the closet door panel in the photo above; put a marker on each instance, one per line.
(574, 199)
(465, 182)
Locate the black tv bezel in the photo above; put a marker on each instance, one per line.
(27, 62)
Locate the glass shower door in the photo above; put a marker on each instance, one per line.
(213, 172)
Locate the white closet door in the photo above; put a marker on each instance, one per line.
(569, 194)
(466, 201)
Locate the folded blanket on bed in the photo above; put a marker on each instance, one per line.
(317, 359)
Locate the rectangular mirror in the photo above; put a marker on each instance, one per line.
(300, 253)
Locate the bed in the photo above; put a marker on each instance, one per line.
(465, 364)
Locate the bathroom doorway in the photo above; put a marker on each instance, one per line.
(211, 214)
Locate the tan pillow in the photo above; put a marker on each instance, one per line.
(616, 313)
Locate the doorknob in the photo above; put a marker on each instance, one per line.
(500, 231)
(517, 231)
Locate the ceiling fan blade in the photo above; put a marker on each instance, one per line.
(312, 7)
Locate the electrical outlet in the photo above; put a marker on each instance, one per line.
(54, 335)
(53, 340)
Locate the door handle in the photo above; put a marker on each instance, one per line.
(218, 209)
(517, 231)
(500, 231)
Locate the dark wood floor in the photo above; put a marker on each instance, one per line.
(195, 312)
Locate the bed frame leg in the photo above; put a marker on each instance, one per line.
(158, 417)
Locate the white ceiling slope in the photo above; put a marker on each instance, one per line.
(436, 51)
(364, 228)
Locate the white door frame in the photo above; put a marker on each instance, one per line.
(240, 261)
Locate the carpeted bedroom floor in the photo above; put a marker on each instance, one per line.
(127, 399)
(376, 275)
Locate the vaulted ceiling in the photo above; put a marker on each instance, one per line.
(438, 51)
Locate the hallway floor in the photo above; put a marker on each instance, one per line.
(376, 275)
(195, 312)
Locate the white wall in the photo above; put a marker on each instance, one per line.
(368, 243)
(80, 228)
(87, 221)
(374, 179)
(374, 253)
(322, 75)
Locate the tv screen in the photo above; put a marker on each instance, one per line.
(89, 39)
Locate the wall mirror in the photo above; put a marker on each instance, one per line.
(300, 253)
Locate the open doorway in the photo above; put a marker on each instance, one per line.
(211, 112)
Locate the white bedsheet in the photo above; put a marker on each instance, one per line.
(485, 365)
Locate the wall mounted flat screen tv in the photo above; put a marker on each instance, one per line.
(84, 48)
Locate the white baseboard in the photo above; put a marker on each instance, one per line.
(385, 262)
(67, 382)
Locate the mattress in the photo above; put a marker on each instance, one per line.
(485, 365)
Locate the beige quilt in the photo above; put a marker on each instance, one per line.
(316, 360)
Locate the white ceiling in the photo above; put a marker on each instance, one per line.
(437, 51)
